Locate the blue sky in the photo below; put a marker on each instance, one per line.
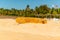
(21, 4)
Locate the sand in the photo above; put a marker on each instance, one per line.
(10, 30)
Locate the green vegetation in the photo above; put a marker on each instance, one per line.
(42, 11)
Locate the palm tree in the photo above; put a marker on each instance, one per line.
(27, 10)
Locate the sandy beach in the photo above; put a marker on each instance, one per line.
(10, 30)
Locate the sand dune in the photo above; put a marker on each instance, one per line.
(10, 30)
